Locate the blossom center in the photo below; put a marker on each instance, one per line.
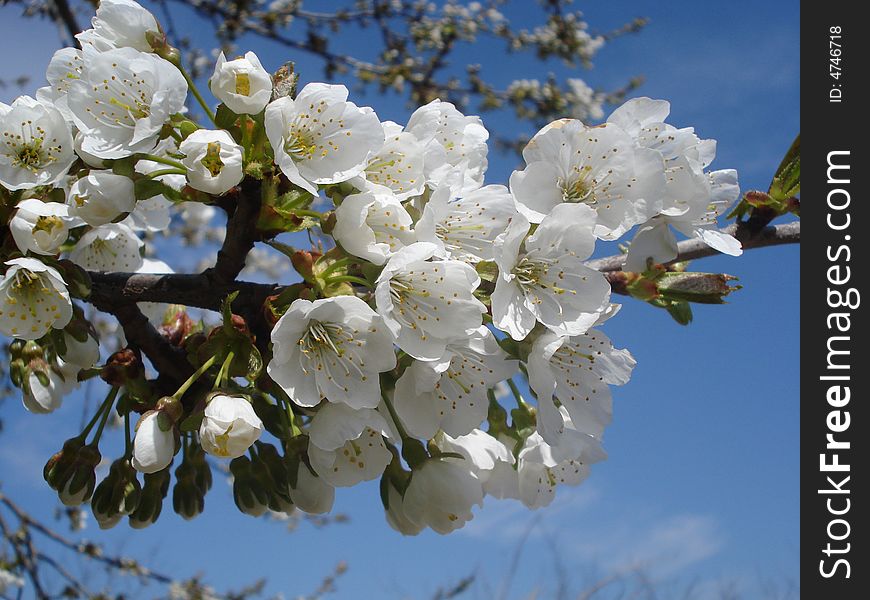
(212, 159)
(300, 144)
(49, 225)
(578, 188)
(324, 336)
(243, 84)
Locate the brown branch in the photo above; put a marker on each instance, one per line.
(86, 549)
(199, 292)
(240, 236)
(67, 17)
(170, 361)
(775, 235)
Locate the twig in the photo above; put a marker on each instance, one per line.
(775, 235)
(86, 549)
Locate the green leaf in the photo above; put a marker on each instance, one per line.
(227, 311)
(224, 117)
(255, 364)
(680, 311)
(192, 422)
(487, 270)
(787, 180)
(145, 188)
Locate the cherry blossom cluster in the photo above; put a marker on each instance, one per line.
(445, 339)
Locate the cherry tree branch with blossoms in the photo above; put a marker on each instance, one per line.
(444, 334)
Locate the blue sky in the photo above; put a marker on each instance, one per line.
(701, 483)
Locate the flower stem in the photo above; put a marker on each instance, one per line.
(341, 262)
(304, 212)
(192, 379)
(223, 374)
(349, 279)
(99, 412)
(395, 416)
(162, 160)
(128, 442)
(195, 91)
(516, 392)
(110, 400)
(161, 172)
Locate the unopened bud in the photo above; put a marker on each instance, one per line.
(250, 496)
(188, 500)
(117, 495)
(150, 500)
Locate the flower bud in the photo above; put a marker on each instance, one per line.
(45, 386)
(188, 500)
(310, 493)
(393, 502)
(213, 161)
(155, 443)
(71, 472)
(121, 367)
(229, 426)
(117, 495)
(101, 197)
(150, 500)
(705, 288)
(243, 85)
(40, 227)
(83, 352)
(248, 493)
(202, 471)
(177, 326)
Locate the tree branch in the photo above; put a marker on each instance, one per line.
(240, 236)
(775, 235)
(109, 290)
(169, 360)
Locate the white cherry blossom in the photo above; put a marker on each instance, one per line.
(81, 354)
(656, 240)
(484, 453)
(112, 247)
(65, 66)
(101, 197)
(602, 167)
(441, 494)
(119, 24)
(151, 215)
(33, 299)
(332, 348)
(242, 84)
(693, 200)
(213, 160)
(153, 448)
(36, 145)
(548, 280)
(542, 467)
(397, 166)
(311, 494)
(373, 225)
(44, 399)
(40, 227)
(122, 100)
(229, 426)
(319, 137)
(465, 228)
(579, 372)
(450, 393)
(427, 304)
(395, 510)
(346, 446)
(456, 150)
